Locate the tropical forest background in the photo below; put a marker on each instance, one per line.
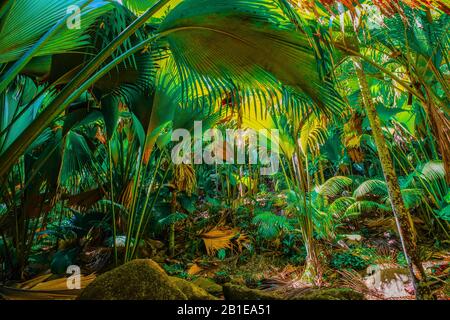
(358, 91)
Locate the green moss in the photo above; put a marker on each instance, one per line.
(222, 277)
(330, 294)
(235, 292)
(446, 288)
(192, 291)
(137, 280)
(209, 286)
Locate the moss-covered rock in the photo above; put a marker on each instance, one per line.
(140, 279)
(329, 294)
(209, 286)
(236, 292)
(192, 291)
(222, 277)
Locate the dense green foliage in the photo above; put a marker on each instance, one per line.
(359, 95)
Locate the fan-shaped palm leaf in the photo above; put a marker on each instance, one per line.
(17, 34)
(246, 41)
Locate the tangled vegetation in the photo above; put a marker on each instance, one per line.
(92, 93)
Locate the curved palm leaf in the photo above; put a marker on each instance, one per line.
(249, 42)
(433, 171)
(334, 186)
(340, 205)
(17, 34)
(363, 207)
(270, 224)
(140, 6)
(371, 188)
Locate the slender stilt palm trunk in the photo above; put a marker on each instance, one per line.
(173, 209)
(312, 273)
(401, 214)
(440, 129)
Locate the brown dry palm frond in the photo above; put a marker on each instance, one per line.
(284, 281)
(84, 200)
(222, 238)
(8, 293)
(40, 289)
(381, 222)
(127, 194)
(442, 128)
(386, 223)
(97, 259)
(353, 280)
(184, 178)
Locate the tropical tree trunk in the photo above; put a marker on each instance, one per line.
(440, 130)
(173, 210)
(313, 270)
(402, 216)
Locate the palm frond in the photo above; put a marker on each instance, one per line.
(412, 198)
(365, 207)
(140, 6)
(251, 42)
(340, 205)
(371, 188)
(171, 219)
(334, 186)
(77, 161)
(270, 224)
(27, 21)
(433, 171)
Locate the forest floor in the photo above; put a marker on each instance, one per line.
(365, 258)
(268, 274)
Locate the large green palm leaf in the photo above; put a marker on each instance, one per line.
(237, 43)
(140, 6)
(17, 34)
(13, 116)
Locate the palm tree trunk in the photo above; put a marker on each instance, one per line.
(402, 216)
(173, 209)
(440, 131)
(313, 270)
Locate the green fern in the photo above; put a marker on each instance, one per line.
(270, 225)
